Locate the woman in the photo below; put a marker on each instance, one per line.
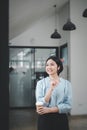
(56, 95)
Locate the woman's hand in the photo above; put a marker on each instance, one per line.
(43, 110)
(53, 84)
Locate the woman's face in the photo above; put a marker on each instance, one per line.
(51, 67)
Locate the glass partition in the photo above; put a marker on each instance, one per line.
(26, 66)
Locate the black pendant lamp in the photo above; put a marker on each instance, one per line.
(84, 13)
(55, 35)
(69, 26)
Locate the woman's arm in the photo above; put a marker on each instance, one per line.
(49, 92)
(66, 105)
(40, 93)
(48, 95)
(44, 97)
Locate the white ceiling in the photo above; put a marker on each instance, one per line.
(22, 13)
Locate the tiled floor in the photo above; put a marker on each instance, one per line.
(27, 120)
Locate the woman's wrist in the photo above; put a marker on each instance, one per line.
(51, 89)
(53, 109)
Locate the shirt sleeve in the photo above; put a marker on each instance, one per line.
(66, 105)
(40, 92)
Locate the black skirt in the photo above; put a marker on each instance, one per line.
(53, 121)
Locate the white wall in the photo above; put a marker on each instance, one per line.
(78, 47)
(38, 34)
(77, 51)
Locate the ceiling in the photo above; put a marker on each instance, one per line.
(23, 13)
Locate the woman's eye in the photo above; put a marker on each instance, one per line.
(50, 64)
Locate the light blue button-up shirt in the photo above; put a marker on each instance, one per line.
(61, 96)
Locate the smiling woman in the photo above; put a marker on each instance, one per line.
(56, 95)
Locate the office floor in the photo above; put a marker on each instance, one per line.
(26, 120)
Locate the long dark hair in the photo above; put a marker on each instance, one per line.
(58, 62)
